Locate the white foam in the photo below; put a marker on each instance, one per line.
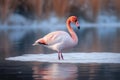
(95, 57)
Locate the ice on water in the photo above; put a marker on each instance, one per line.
(94, 57)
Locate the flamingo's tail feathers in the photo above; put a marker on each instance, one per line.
(40, 41)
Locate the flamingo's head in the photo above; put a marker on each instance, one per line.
(74, 19)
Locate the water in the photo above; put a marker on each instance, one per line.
(18, 42)
(14, 70)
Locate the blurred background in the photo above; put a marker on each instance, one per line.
(24, 21)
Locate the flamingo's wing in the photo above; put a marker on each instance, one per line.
(55, 37)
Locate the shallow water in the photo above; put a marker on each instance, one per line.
(14, 70)
(18, 42)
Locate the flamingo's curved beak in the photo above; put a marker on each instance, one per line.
(77, 24)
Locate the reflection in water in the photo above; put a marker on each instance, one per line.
(14, 70)
(76, 71)
(55, 72)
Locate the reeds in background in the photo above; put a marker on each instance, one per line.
(36, 9)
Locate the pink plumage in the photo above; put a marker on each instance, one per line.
(59, 40)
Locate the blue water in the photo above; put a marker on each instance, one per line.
(14, 70)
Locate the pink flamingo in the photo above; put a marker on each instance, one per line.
(59, 40)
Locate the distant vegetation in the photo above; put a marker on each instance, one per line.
(36, 9)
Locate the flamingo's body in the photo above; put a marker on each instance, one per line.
(59, 40)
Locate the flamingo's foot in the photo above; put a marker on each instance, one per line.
(60, 56)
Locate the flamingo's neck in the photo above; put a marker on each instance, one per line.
(71, 31)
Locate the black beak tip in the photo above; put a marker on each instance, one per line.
(78, 27)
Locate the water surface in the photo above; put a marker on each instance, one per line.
(18, 42)
(14, 70)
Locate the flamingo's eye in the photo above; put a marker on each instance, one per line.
(75, 20)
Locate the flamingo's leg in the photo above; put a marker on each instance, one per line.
(61, 55)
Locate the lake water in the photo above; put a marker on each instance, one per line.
(18, 42)
(15, 70)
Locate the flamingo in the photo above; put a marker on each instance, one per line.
(60, 40)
